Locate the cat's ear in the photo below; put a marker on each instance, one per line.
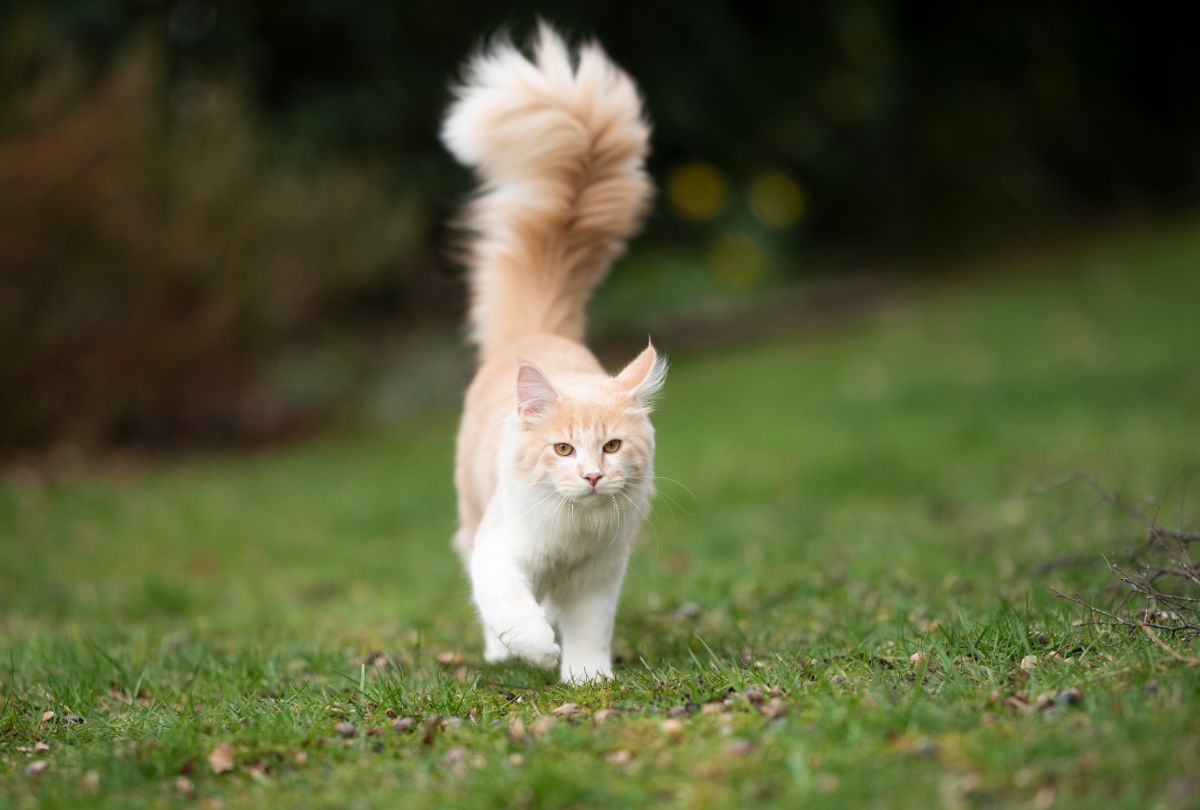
(535, 396)
(645, 376)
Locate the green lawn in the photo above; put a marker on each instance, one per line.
(844, 503)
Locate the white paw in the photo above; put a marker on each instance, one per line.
(494, 650)
(586, 672)
(533, 641)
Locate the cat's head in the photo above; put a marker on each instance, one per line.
(589, 437)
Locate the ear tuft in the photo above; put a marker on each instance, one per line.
(645, 375)
(535, 396)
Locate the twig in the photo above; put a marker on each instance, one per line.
(1191, 662)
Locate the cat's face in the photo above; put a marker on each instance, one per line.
(589, 438)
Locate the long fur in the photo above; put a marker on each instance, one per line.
(559, 142)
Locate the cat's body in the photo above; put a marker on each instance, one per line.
(554, 468)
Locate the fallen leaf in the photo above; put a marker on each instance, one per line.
(430, 729)
(90, 782)
(604, 715)
(739, 747)
(673, 727)
(775, 708)
(220, 759)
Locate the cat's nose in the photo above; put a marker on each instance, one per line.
(593, 477)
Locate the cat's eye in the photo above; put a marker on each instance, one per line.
(612, 445)
(563, 449)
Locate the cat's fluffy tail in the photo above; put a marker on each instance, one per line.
(558, 143)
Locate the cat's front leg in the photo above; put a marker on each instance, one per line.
(509, 612)
(586, 611)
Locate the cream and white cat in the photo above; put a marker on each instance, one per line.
(555, 461)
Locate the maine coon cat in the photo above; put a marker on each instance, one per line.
(555, 458)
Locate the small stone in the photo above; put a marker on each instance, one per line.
(41, 746)
(603, 716)
(1069, 697)
(918, 658)
(716, 707)
(542, 725)
(774, 709)
(184, 786)
(516, 732)
(1044, 701)
(739, 747)
(1038, 636)
(566, 710)
(448, 658)
(36, 768)
(837, 679)
(404, 724)
(72, 719)
(1029, 663)
(516, 759)
(47, 716)
(451, 723)
(345, 730)
(672, 727)
(753, 694)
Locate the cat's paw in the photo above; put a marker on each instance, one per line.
(579, 672)
(494, 650)
(533, 642)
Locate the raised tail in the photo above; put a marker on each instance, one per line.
(559, 143)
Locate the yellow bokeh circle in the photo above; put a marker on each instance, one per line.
(776, 199)
(697, 191)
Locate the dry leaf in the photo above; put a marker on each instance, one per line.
(90, 782)
(220, 759)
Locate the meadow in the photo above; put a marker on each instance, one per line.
(842, 597)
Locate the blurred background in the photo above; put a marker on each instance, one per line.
(225, 223)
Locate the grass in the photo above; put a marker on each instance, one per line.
(846, 506)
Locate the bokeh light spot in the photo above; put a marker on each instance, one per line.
(738, 259)
(776, 199)
(697, 191)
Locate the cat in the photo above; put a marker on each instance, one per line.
(555, 458)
